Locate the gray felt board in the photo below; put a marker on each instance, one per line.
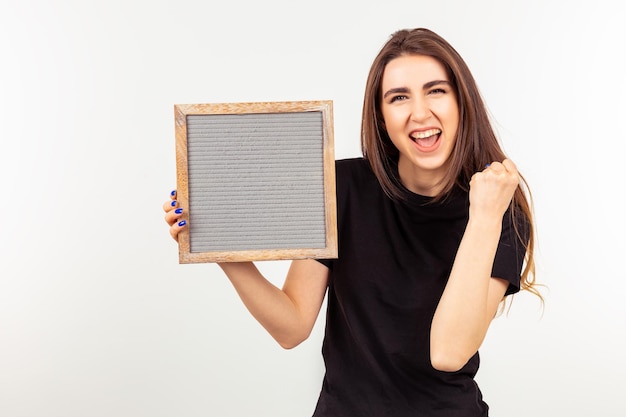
(256, 181)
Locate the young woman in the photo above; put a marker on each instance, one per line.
(435, 230)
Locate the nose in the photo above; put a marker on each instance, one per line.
(419, 110)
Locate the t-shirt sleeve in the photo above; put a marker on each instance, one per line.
(511, 250)
(327, 262)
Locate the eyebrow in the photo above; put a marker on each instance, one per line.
(404, 90)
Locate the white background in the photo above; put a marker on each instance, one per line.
(97, 318)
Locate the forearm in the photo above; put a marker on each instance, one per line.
(268, 304)
(470, 298)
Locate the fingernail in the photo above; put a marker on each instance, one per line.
(178, 210)
(173, 203)
(173, 193)
(182, 223)
(487, 165)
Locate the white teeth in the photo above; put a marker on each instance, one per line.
(426, 133)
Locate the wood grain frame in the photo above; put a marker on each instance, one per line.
(329, 249)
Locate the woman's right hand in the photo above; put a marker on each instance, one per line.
(173, 213)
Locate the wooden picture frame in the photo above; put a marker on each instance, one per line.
(256, 181)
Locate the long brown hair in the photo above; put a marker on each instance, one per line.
(476, 142)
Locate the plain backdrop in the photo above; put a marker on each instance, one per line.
(98, 318)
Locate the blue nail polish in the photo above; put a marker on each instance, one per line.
(178, 210)
(182, 223)
(487, 165)
(173, 193)
(174, 203)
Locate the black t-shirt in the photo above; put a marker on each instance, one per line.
(394, 262)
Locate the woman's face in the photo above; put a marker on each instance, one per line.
(421, 114)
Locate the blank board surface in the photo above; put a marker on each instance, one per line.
(258, 181)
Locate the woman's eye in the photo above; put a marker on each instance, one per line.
(397, 98)
(437, 91)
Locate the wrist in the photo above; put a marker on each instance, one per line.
(485, 225)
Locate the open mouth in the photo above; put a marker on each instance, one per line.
(427, 138)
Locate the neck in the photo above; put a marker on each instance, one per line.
(426, 182)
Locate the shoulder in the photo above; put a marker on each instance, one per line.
(356, 184)
(353, 171)
(354, 164)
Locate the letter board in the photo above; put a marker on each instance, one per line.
(256, 180)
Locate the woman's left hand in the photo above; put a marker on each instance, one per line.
(492, 189)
